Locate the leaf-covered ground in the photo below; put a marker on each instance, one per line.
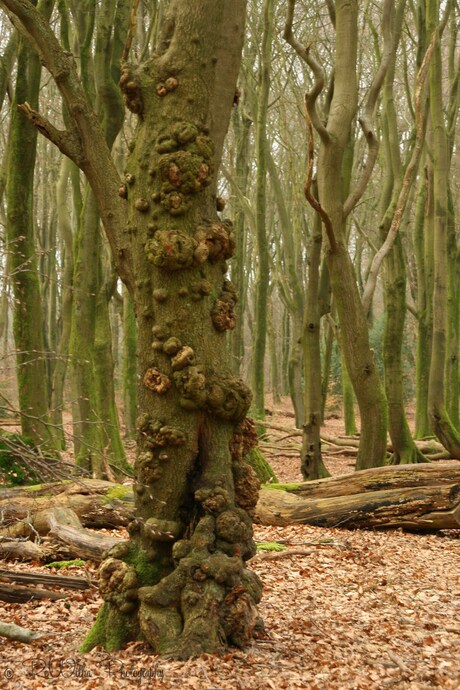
(342, 610)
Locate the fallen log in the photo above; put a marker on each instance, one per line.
(378, 479)
(65, 536)
(20, 549)
(420, 508)
(81, 542)
(417, 497)
(31, 578)
(97, 503)
(18, 594)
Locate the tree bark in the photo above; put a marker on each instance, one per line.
(261, 303)
(334, 138)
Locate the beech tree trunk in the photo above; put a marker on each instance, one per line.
(440, 421)
(334, 139)
(20, 233)
(181, 582)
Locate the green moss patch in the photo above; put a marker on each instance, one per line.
(65, 564)
(119, 492)
(270, 546)
(282, 487)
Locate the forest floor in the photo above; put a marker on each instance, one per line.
(342, 610)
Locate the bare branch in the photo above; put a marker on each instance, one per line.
(305, 54)
(366, 121)
(67, 143)
(407, 180)
(131, 31)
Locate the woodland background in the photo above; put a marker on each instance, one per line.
(68, 328)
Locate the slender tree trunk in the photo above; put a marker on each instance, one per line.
(326, 366)
(311, 463)
(97, 424)
(440, 421)
(358, 356)
(258, 364)
(129, 365)
(60, 369)
(423, 244)
(27, 315)
(241, 128)
(348, 399)
(404, 448)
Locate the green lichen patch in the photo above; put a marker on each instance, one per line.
(111, 630)
(261, 467)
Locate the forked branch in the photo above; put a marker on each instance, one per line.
(67, 142)
(366, 121)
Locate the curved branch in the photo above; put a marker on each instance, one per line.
(407, 181)
(366, 121)
(318, 86)
(312, 200)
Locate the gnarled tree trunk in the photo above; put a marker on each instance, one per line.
(181, 581)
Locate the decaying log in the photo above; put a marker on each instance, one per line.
(379, 479)
(81, 542)
(19, 594)
(97, 503)
(20, 549)
(31, 578)
(64, 530)
(415, 497)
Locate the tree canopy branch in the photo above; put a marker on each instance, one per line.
(67, 142)
(366, 121)
(407, 180)
(306, 55)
